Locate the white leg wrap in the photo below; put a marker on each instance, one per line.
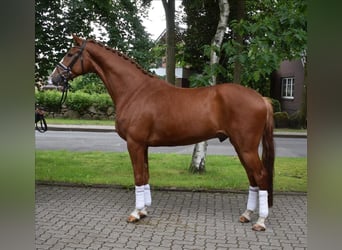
(252, 202)
(147, 195)
(247, 214)
(139, 197)
(263, 203)
(261, 222)
(135, 214)
(143, 211)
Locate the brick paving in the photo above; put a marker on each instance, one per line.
(95, 218)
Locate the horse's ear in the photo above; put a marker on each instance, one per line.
(77, 40)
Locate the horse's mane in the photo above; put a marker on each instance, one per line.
(123, 55)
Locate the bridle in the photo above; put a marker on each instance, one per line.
(65, 73)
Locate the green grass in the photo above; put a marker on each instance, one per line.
(112, 122)
(166, 171)
(79, 121)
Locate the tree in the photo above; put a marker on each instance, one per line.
(118, 22)
(239, 10)
(201, 17)
(261, 35)
(200, 149)
(169, 7)
(272, 31)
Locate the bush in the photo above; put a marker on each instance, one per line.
(281, 119)
(102, 102)
(50, 100)
(78, 101)
(276, 105)
(296, 120)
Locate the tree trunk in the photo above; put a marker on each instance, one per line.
(218, 38)
(303, 109)
(198, 158)
(169, 7)
(200, 150)
(240, 14)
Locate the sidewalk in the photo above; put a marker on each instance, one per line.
(103, 128)
(95, 218)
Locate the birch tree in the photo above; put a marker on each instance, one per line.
(200, 149)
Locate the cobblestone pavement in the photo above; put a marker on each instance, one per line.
(95, 218)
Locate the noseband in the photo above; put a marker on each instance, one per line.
(65, 74)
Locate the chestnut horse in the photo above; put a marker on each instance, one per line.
(151, 112)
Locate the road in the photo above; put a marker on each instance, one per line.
(111, 142)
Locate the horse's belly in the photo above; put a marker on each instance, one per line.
(180, 139)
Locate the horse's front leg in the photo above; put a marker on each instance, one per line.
(139, 159)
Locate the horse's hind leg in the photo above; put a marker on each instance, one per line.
(147, 189)
(258, 193)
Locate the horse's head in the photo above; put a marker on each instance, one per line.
(71, 65)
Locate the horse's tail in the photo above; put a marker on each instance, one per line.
(268, 149)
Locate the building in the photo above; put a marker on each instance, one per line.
(287, 85)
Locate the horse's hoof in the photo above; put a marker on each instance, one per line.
(142, 215)
(132, 219)
(243, 219)
(259, 228)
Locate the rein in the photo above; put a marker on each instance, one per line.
(66, 73)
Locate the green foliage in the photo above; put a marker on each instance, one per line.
(281, 119)
(296, 120)
(271, 31)
(89, 83)
(77, 101)
(202, 19)
(276, 105)
(50, 99)
(102, 102)
(118, 22)
(158, 51)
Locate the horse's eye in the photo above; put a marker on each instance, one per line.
(69, 55)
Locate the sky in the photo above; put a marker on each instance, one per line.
(155, 22)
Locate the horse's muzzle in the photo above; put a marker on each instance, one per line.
(56, 80)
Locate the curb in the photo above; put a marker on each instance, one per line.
(81, 128)
(111, 129)
(166, 189)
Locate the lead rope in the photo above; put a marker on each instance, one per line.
(66, 86)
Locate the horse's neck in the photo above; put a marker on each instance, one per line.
(121, 76)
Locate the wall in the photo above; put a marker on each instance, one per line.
(289, 69)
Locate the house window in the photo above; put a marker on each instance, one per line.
(287, 87)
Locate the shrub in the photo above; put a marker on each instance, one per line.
(102, 102)
(281, 119)
(79, 101)
(50, 99)
(295, 120)
(276, 105)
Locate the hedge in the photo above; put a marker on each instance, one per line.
(78, 101)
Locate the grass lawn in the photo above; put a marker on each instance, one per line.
(79, 121)
(112, 122)
(166, 171)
